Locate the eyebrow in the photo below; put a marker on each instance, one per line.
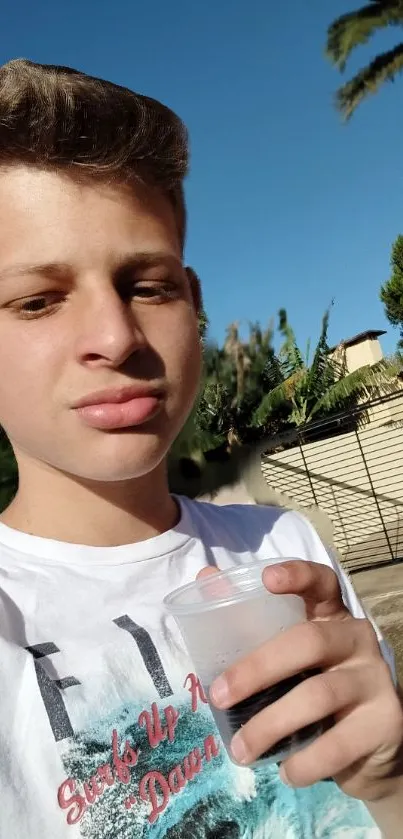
(53, 270)
(49, 269)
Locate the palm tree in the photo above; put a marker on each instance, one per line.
(314, 390)
(236, 377)
(211, 448)
(354, 29)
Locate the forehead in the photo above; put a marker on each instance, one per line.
(52, 217)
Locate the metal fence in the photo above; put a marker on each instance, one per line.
(351, 467)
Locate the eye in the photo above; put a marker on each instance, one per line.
(158, 291)
(34, 305)
(147, 289)
(38, 305)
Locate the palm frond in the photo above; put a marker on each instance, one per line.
(320, 373)
(356, 28)
(290, 354)
(382, 69)
(273, 372)
(277, 398)
(367, 382)
(271, 402)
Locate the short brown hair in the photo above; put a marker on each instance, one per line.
(56, 117)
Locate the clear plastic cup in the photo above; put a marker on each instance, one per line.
(224, 617)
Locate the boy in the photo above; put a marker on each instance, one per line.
(104, 730)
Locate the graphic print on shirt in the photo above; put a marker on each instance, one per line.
(155, 768)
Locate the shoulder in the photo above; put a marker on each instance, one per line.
(258, 528)
(258, 532)
(232, 513)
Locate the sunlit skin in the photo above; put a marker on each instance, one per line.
(93, 295)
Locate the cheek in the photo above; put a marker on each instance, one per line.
(25, 373)
(181, 352)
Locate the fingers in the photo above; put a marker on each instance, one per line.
(343, 746)
(218, 587)
(307, 646)
(206, 572)
(313, 700)
(355, 739)
(317, 584)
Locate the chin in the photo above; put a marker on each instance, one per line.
(125, 458)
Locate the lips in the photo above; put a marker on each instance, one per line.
(119, 407)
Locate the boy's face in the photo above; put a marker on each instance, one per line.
(93, 297)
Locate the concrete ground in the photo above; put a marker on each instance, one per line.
(381, 589)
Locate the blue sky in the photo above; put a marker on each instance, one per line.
(288, 207)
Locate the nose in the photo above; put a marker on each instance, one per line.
(109, 332)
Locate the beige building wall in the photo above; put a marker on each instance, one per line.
(366, 352)
(358, 352)
(358, 495)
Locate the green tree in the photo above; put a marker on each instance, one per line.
(312, 390)
(354, 29)
(236, 375)
(211, 448)
(8, 472)
(392, 291)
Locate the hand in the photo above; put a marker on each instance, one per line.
(362, 751)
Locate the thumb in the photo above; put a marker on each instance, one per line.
(317, 584)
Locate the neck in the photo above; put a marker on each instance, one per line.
(57, 506)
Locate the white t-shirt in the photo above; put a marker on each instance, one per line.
(104, 730)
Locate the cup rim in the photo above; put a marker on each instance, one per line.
(172, 600)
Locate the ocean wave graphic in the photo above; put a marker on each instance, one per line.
(221, 801)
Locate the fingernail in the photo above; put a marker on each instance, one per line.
(239, 750)
(219, 691)
(284, 777)
(278, 573)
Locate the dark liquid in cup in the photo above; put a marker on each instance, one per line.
(228, 722)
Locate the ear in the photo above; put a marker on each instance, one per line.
(195, 288)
